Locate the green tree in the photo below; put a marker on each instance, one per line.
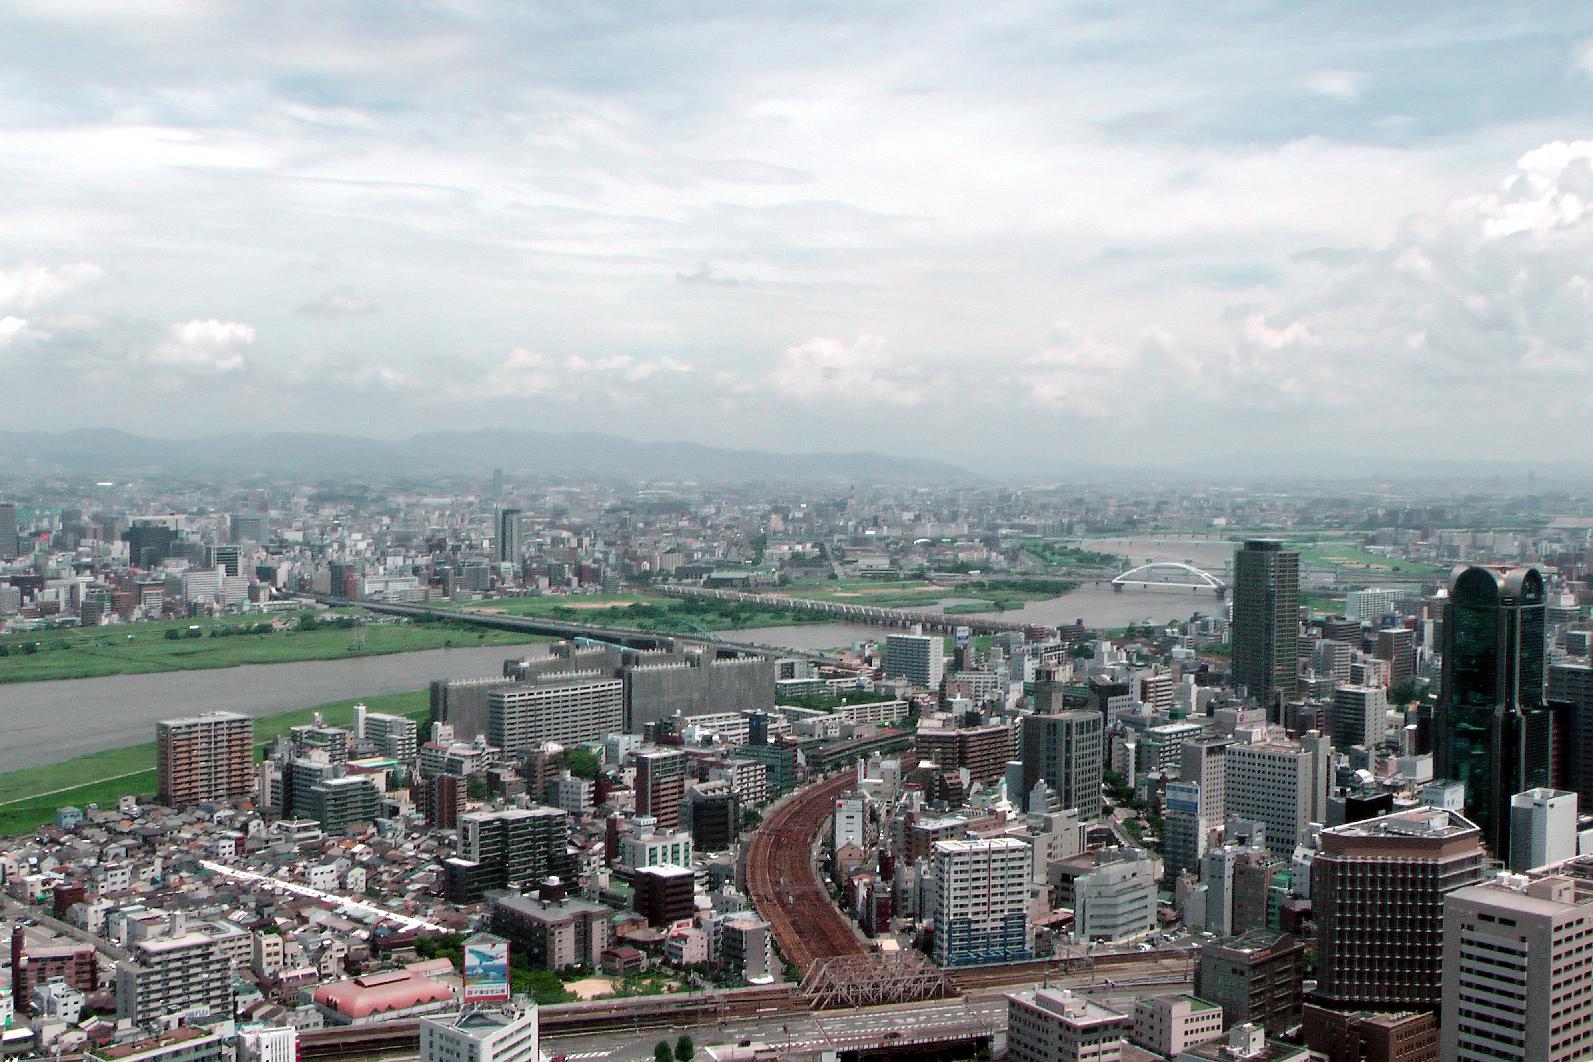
(583, 763)
(684, 1049)
(662, 1053)
(476, 787)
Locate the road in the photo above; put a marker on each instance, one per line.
(813, 1031)
(358, 909)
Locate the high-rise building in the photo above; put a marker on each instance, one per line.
(847, 823)
(508, 543)
(918, 658)
(1204, 762)
(1397, 646)
(1370, 605)
(338, 803)
(660, 784)
(981, 901)
(746, 949)
(664, 894)
(1492, 729)
(1377, 889)
(1542, 828)
(1282, 785)
(175, 975)
(525, 715)
(984, 749)
(1571, 693)
(1360, 716)
(395, 735)
(517, 846)
(227, 558)
(1054, 1025)
(249, 527)
(1266, 621)
(1518, 973)
(1254, 977)
(10, 544)
(204, 758)
(712, 813)
(481, 1035)
(1067, 751)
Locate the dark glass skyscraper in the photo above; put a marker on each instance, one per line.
(1266, 621)
(1493, 730)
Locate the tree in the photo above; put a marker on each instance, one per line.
(476, 787)
(662, 1053)
(583, 763)
(684, 1049)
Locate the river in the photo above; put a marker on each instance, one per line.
(47, 722)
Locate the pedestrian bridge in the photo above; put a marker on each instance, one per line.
(1173, 575)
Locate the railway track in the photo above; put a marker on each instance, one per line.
(784, 887)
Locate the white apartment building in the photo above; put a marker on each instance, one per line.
(981, 901)
(1284, 786)
(268, 1043)
(525, 716)
(848, 824)
(1369, 605)
(1168, 1025)
(1518, 973)
(648, 847)
(1054, 1025)
(918, 658)
(481, 1036)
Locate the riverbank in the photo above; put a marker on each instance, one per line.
(29, 796)
(230, 641)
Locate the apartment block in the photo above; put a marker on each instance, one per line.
(204, 758)
(981, 901)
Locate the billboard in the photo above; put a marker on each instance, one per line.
(486, 964)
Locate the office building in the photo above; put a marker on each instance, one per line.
(1266, 621)
(10, 542)
(225, 558)
(746, 949)
(1518, 972)
(712, 815)
(1203, 762)
(1283, 786)
(204, 758)
(1571, 694)
(1371, 1036)
(1067, 751)
(552, 934)
(249, 527)
(663, 894)
(1377, 888)
(660, 784)
(1360, 716)
(1166, 1025)
(186, 974)
(500, 849)
(1116, 900)
(1542, 828)
(1492, 730)
(481, 1035)
(570, 711)
(918, 658)
(1184, 830)
(1397, 648)
(507, 547)
(1255, 977)
(847, 823)
(981, 901)
(1054, 1025)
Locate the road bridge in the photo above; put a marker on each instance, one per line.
(1171, 575)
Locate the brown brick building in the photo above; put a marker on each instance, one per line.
(204, 758)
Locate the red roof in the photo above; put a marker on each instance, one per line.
(381, 993)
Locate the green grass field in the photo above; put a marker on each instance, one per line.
(29, 797)
(1348, 556)
(643, 611)
(139, 648)
(918, 594)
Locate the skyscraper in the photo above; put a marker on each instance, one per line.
(508, 545)
(9, 544)
(204, 758)
(1266, 620)
(1492, 730)
(1066, 751)
(918, 658)
(1282, 785)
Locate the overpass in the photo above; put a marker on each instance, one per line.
(627, 637)
(850, 613)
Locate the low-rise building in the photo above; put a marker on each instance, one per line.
(1168, 1025)
(1054, 1025)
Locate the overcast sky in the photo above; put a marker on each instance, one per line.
(1104, 232)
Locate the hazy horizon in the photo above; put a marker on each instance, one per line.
(1114, 237)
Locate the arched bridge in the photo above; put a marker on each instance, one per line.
(1171, 574)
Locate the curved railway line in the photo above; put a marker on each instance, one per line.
(784, 887)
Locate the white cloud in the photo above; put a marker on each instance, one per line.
(29, 286)
(11, 329)
(339, 302)
(1346, 86)
(1582, 56)
(205, 345)
(828, 370)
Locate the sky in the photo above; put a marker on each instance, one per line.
(1027, 234)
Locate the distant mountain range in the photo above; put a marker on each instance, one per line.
(106, 453)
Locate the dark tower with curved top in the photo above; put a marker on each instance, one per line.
(1493, 730)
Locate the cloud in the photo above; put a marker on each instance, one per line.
(11, 329)
(30, 286)
(826, 370)
(339, 302)
(205, 346)
(1582, 56)
(706, 274)
(1346, 86)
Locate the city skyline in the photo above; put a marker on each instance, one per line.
(1117, 235)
